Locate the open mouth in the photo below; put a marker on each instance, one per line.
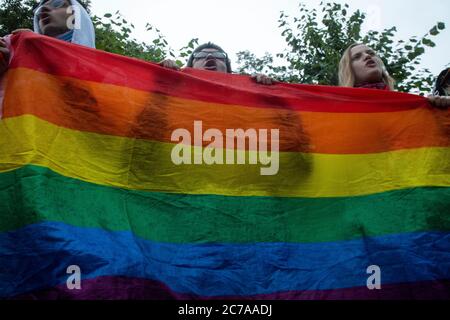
(210, 65)
(371, 64)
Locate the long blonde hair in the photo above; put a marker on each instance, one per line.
(347, 76)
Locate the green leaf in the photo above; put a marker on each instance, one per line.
(434, 31)
(441, 25)
(419, 50)
(108, 15)
(428, 42)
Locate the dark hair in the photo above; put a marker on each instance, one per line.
(441, 82)
(209, 45)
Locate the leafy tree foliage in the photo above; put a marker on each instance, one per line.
(315, 40)
(113, 32)
(317, 37)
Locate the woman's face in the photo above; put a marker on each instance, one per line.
(366, 66)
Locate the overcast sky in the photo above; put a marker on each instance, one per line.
(238, 25)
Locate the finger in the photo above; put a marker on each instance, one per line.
(169, 64)
(445, 102)
(165, 64)
(431, 100)
(267, 81)
(440, 102)
(172, 65)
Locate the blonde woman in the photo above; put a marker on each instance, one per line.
(360, 67)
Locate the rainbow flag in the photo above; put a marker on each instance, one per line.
(87, 179)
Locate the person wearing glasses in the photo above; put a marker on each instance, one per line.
(361, 67)
(66, 20)
(211, 57)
